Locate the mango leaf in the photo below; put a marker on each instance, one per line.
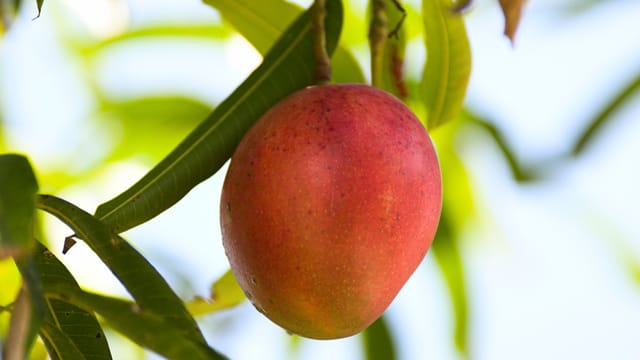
(345, 68)
(262, 22)
(67, 329)
(28, 312)
(447, 254)
(138, 276)
(512, 10)
(457, 188)
(152, 125)
(200, 31)
(18, 187)
(2, 139)
(39, 5)
(604, 116)
(448, 64)
(8, 9)
(142, 326)
(289, 66)
(225, 293)
(58, 344)
(378, 342)
(519, 172)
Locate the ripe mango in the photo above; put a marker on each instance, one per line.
(330, 203)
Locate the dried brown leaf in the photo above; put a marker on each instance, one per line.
(512, 10)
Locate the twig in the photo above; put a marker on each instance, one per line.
(396, 29)
(377, 40)
(323, 64)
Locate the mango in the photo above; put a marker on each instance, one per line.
(330, 203)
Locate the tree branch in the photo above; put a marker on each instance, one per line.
(323, 64)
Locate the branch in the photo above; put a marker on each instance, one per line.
(323, 64)
(377, 40)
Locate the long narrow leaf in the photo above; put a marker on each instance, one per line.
(18, 187)
(145, 328)
(378, 342)
(604, 116)
(519, 172)
(171, 117)
(262, 22)
(65, 321)
(448, 65)
(446, 251)
(194, 31)
(287, 67)
(138, 276)
(59, 345)
(225, 293)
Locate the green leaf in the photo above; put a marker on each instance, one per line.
(604, 116)
(457, 190)
(289, 66)
(39, 4)
(138, 276)
(8, 9)
(378, 342)
(18, 187)
(262, 22)
(519, 172)
(447, 254)
(153, 125)
(225, 293)
(448, 65)
(345, 68)
(65, 322)
(199, 31)
(142, 326)
(59, 345)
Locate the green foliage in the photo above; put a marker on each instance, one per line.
(604, 116)
(146, 285)
(262, 23)
(161, 120)
(209, 146)
(378, 342)
(144, 327)
(18, 187)
(448, 65)
(446, 250)
(17, 205)
(225, 293)
(68, 331)
(392, 72)
(50, 301)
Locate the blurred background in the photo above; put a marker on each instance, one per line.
(539, 258)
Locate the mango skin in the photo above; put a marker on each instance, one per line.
(330, 203)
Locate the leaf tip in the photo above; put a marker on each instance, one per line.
(512, 10)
